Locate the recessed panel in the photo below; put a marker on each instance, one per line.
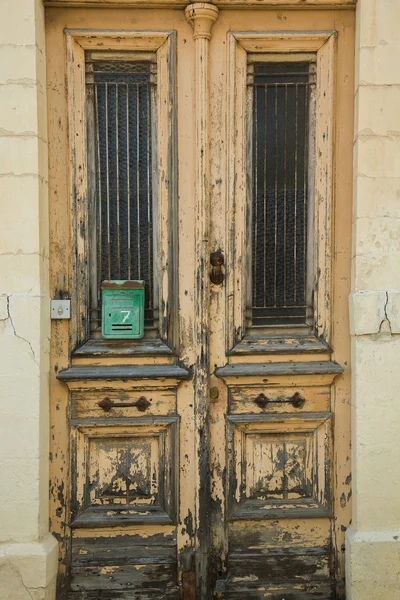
(279, 467)
(125, 473)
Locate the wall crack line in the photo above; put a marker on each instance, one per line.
(386, 319)
(15, 332)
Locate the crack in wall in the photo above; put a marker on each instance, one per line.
(15, 332)
(17, 575)
(386, 318)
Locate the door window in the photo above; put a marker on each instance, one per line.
(121, 97)
(280, 192)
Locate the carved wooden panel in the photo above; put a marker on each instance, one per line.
(279, 467)
(113, 403)
(248, 399)
(124, 472)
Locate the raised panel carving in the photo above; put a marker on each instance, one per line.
(279, 466)
(124, 473)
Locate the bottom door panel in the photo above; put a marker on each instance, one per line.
(295, 591)
(282, 559)
(279, 506)
(124, 564)
(123, 529)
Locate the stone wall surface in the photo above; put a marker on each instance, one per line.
(28, 554)
(373, 541)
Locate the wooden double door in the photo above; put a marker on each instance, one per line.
(206, 151)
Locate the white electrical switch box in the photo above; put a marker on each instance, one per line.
(61, 309)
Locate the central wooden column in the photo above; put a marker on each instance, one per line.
(202, 16)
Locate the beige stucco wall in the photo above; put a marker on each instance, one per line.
(28, 554)
(373, 541)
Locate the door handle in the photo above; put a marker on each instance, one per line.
(216, 274)
(141, 404)
(296, 400)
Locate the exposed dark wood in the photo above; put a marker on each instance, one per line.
(145, 347)
(131, 576)
(264, 591)
(277, 344)
(153, 593)
(276, 569)
(282, 368)
(189, 585)
(295, 493)
(256, 511)
(110, 517)
(124, 372)
(279, 537)
(119, 551)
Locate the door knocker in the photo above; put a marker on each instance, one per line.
(216, 274)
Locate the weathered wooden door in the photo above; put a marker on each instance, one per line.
(206, 151)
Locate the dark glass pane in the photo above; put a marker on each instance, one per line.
(123, 166)
(280, 162)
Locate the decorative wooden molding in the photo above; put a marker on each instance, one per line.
(201, 16)
(108, 493)
(320, 44)
(308, 437)
(123, 372)
(313, 373)
(162, 44)
(226, 4)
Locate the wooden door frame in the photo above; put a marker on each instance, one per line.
(202, 367)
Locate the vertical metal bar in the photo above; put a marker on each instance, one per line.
(306, 90)
(296, 145)
(108, 190)
(265, 195)
(255, 203)
(138, 177)
(276, 188)
(99, 215)
(149, 227)
(128, 186)
(117, 169)
(285, 196)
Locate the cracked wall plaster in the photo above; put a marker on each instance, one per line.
(374, 312)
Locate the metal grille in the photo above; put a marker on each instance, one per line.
(123, 187)
(279, 195)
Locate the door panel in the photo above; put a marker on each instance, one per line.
(211, 458)
(280, 473)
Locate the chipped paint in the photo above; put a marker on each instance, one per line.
(247, 487)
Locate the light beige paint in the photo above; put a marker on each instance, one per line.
(373, 546)
(28, 554)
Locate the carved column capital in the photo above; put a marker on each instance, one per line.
(201, 16)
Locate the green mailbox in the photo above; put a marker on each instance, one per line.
(122, 309)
